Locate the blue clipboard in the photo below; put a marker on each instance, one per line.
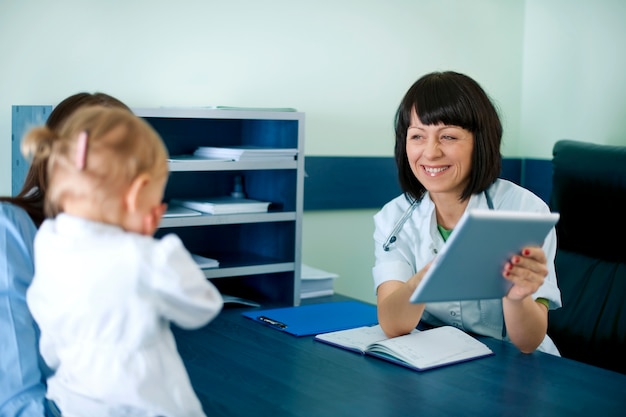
(314, 319)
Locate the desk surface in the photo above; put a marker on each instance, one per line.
(239, 367)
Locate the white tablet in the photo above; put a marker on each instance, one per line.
(470, 265)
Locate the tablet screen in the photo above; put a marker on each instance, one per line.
(470, 265)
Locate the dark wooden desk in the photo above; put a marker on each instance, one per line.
(241, 368)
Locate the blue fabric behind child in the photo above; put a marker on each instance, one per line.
(21, 388)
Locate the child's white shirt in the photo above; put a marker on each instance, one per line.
(104, 299)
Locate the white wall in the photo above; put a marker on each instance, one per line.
(345, 63)
(574, 83)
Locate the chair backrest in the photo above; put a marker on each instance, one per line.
(589, 191)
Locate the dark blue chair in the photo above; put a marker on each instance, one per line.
(589, 191)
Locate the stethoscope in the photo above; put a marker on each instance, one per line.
(400, 223)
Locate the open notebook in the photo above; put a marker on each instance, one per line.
(419, 350)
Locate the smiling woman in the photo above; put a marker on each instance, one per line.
(440, 157)
(447, 150)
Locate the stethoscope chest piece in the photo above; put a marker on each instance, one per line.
(398, 226)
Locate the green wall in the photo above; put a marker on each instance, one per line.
(553, 67)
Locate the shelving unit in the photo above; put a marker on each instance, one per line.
(259, 253)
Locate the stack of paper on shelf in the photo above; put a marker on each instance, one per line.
(254, 108)
(179, 211)
(233, 299)
(178, 159)
(316, 282)
(246, 153)
(224, 205)
(204, 262)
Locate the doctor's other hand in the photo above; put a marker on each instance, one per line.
(526, 271)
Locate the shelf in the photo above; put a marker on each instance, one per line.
(224, 272)
(220, 219)
(179, 164)
(215, 113)
(259, 253)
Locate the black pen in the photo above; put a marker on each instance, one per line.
(272, 322)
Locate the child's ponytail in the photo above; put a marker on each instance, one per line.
(37, 144)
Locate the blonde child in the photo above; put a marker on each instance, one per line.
(105, 291)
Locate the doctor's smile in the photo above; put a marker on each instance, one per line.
(432, 171)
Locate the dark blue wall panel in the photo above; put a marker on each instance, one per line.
(352, 182)
(512, 169)
(537, 175)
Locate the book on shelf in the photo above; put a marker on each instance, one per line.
(199, 159)
(234, 300)
(179, 211)
(224, 205)
(281, 109)
(245, 153)
(419, 350)
(204, 262)
(316, 282)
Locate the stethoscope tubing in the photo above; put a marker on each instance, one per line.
(408, 212)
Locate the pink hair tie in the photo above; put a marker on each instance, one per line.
(81, 150)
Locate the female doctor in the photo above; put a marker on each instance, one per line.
(447, 151)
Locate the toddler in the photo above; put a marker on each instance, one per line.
(105, 290)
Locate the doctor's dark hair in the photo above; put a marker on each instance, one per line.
(452, 99)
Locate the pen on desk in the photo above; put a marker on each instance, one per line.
(272, 322)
